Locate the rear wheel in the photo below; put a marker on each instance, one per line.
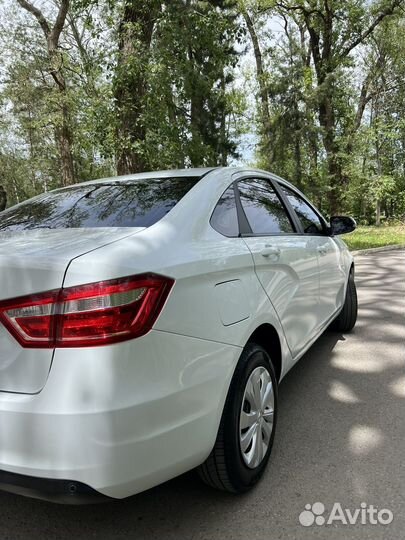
(347, 318)
(247, 428)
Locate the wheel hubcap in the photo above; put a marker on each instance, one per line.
(256, 417)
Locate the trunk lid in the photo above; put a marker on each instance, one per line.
(32, 262)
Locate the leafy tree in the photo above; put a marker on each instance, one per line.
(91, 87)
(52, 34)
(329, 32)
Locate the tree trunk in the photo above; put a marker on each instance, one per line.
(131, 83)
(222, 150)
(298, 160)
(378, 213)
(63, 132)
(263, 92)
(326, 111)
(3, 198)
(297, 146)
(64, 141)
(336, 181)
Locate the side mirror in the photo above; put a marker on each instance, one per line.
(342, 225)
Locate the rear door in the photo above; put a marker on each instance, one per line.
(286, 262)
(331, 269)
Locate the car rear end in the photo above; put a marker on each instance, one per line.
(96, 402)
(38, 316)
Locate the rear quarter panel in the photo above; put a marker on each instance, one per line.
(185, 247)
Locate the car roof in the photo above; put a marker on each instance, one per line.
(199, 172)
(173, 173)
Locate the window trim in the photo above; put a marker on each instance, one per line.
(292, 210)
(246, 232)
(244, 225)
(276, 183)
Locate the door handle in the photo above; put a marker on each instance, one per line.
(270, 251)
(321, 250)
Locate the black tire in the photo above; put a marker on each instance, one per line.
(347, 318)
(225, 468)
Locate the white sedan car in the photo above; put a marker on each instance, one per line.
(146, 322)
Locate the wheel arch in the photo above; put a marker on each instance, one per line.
(267, 337)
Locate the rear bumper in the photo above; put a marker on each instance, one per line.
(117, 419)
(59, 491)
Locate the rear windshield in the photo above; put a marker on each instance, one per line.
(140, 203)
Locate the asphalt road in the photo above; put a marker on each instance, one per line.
(341, 439)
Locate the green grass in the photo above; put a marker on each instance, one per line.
(370, 237)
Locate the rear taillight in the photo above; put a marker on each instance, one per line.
(87, 315)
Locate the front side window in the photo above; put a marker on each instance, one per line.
(224, 219)
(310, 221)
(138, 203)
(264, 210)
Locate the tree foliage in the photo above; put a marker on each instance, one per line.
(95, 87)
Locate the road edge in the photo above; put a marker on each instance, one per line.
(368, 251)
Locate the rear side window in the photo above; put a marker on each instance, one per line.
(310, 221)
(224, 219)
(264, 210)
(140, 203)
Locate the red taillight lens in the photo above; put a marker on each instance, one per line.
(87, 315)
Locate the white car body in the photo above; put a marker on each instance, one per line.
(127, 416)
